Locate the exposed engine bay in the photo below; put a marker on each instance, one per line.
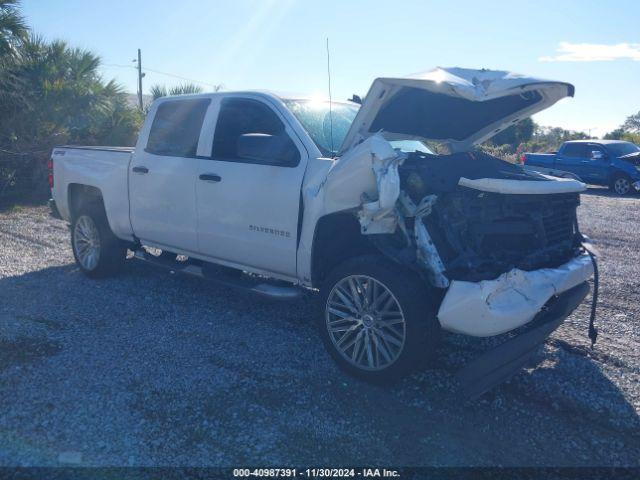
(450, 226)
(498, 241)
(480, 235)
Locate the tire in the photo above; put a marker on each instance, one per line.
(97, 251)
(621, 184)
(400, 338)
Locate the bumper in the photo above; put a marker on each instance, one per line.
(492, 307)
(498, 364)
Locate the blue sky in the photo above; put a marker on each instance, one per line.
(280, 44)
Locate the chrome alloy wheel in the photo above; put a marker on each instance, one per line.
(365, 322)
(622, 186)
(86, 242)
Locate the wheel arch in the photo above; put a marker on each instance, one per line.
(618, 174)
(337, 237)
(79, 195)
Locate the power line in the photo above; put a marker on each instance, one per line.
(163, 73)
(183, 78)
(117, 65)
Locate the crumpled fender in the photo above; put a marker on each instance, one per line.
(367, 179)
(364, 180)
(368, 174)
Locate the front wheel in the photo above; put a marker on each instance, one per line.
(621, 184)
(379, 321)
(97, 251)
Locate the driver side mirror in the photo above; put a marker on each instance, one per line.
(597, 155)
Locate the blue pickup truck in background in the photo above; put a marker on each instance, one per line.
(612, 163)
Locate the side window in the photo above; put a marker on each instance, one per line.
(595, 152)
(248, 131)
(176, 127)
(575, 150)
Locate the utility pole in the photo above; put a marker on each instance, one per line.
(140, 75)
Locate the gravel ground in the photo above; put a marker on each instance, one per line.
(154, 369)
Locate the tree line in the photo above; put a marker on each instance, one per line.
(53, 94)
(528, 136)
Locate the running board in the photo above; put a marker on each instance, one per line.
(222, 276)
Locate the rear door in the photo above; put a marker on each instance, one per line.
(163, 175)
(248, 202)
(572, 158)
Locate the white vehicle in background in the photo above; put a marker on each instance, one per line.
(276, 194)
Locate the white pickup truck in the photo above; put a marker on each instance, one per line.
(279, 194)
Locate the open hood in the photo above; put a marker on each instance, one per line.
(456, 107)
(633, 158)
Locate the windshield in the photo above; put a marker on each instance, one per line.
(314, 117)
(623, 148)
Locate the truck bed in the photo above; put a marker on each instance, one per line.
(103, 168)
(541, 159)
(545, 163)
(97, 148)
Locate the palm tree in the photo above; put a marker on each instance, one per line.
(13, 27)
(62, 98)
(158, 91)
(13, 31)
(51, 94)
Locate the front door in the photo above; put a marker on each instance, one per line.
(163, 174)
(595, 167)
(248, 191)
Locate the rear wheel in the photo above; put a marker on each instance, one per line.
(621, 184)
(379, 321)
(97, 251)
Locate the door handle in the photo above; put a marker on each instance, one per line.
(140, 170)
(210, 177)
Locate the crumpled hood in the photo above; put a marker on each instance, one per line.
(456, 107)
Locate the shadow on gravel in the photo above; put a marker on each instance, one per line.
(22, 350)
(149, 368)
(565, 378)
(8, 204)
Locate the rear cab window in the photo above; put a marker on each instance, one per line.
(575, 150)
(176, 127)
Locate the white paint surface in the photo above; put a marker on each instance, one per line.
(491, 307)
(524, 187)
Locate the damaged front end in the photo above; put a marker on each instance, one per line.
(500, 254)
(499, 244)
